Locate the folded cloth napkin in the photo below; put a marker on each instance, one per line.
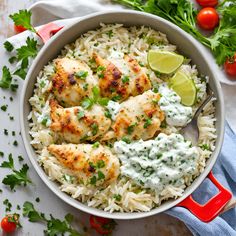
(225, 168)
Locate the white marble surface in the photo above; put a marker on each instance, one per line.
(163, 224)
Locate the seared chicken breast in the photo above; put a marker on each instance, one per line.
(93, 165)
(72, 81)
(121, 78)
(77, 125)
(139, 117)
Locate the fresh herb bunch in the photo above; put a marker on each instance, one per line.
(20, 55)
(54, 226)
(18, 177)
(182, 13)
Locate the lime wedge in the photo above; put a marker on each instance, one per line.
(164, 61)
(184, 86)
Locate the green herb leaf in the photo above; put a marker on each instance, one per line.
(125, 79)
(81, 74)
(94, 127)
(21, 72)
(87, 103)
(30, 212)
(28, 50)
(100, 175)
(103, 101)
(8, 46)
(96, 145)
(23, 18)
(80, 115)
(100, 164)
(148, 122)
(117, 197)
(18, 177)
(126, 140)
(6, 79)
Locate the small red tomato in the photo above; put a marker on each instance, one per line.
(207, 3)
(208, 18)
(19, 28)
(230, 66)
(8, 226)
(102, 225)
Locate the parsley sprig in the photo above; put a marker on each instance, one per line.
(18, 177)
(23, 18)
(182, 13)
(22, 54)
(88, 102)
(54, 226)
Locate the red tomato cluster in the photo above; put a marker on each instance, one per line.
(208, 19)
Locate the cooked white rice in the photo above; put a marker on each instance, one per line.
(135, 41)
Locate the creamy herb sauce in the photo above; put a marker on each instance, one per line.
(113, 108)
(176, 113)
(157, 163)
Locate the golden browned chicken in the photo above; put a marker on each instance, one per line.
(139, 117)
(122, 78)
(93, 165)
(77, 125)
(72, 81)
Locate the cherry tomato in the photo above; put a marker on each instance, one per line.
(208, 18)
(102, 225)
(19, 28)
(8, 226)
(230, 66)
(207, 3)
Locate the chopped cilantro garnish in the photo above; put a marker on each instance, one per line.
(5, 131)
(4, 107)
(80, 115)
(94, 127)
(7, 204)
(100, 164)
(148, 122)
(87, 103)
(116, 98)
(117, 197)
(8, 46)
(15, 143)
(130, 128)
(12, 59)
(81, 74)
(6, 78)
(205, 147)
(100, 175)
(1, 154)
(85, 86)
(125, 79)
(96, 145)
(37, 199)
(125, 139)
(20, 158)
(93, 180)
(107, 114)
(110, 33)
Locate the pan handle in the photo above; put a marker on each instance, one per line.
(48, 30)
(213, 207)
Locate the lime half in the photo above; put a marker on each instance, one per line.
(184, 86)
(164, 61)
